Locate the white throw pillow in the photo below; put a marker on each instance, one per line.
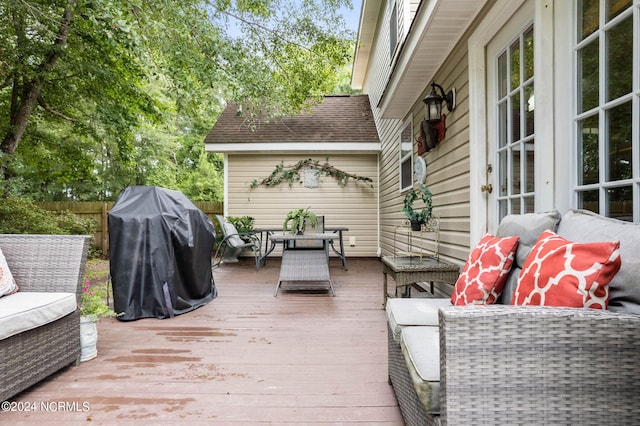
(7, 283)
(234, 239)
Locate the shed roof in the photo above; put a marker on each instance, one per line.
(341, 123)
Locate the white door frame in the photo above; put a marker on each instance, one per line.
(495, 19)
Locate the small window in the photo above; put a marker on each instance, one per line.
(406, 158)
(393, 30)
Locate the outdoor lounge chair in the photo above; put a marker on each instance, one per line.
(234, 242)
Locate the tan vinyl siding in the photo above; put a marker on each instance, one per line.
(447, 165)
(380, 65)
(353, 206)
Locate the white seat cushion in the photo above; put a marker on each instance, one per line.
(409, 312)
(26, 310)
(421, 350)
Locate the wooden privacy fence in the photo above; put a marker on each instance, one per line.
(98, 211)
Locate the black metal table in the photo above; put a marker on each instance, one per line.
(269, 244)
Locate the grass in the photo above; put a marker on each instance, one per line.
(97, 273)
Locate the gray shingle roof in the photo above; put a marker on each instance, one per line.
(340, 119)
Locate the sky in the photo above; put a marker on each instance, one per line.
(352, 17)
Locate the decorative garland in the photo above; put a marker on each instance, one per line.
(291, 173)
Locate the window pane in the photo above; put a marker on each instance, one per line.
(620, 59)
(514, 50)
(515, 170)
(406, 144)
(503, 125)
(515, 117)
(588, 13)
(529, 109)
(619, 121)
(406, 176)
(528, 54)
(529, 205)
(620, 203)
(588, 164)
(503, 170)
(588, 77)
(515, 206)
(406, 157)
(529, 184)
(502, 76)
(503, 209)
(615, 7)
(588, 200)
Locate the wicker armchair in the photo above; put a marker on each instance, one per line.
(42, 263)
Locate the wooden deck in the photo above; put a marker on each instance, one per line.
(245, 358)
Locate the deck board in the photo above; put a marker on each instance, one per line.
(247, 357)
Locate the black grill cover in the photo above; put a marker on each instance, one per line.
(160, 247)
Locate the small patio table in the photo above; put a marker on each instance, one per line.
(270, 245)
(309, 265)
(408, 270)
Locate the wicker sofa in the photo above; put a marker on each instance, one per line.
(509, 365)
(40, 324)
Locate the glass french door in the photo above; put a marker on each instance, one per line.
(510, 163)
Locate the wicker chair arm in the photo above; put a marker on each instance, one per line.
(46, 263)
(538, 365)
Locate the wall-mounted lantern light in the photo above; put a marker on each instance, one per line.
(433, 114)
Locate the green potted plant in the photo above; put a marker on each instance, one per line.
(299, 218)
(418, 217)
(244, 226)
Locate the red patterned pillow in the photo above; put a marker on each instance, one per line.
(485, 271)
(558, 272)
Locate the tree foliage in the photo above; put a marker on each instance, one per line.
(97, 95)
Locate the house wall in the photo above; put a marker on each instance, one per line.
(353, 206)
(447, 164)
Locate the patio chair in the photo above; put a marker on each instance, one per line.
(234, 242)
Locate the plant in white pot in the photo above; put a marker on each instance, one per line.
(298, 219)
(418, 217)
(92, 308)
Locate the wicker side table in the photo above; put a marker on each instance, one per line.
(407, 270)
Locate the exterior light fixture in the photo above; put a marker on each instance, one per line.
(434, 118)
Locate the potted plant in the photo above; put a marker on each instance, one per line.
(244, 226)
(299, 218)
(418, 217)
(92, 308)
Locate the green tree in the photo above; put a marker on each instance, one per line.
(109, 93)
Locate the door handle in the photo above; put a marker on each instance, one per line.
(487, 188)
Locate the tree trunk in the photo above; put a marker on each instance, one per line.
(25, 96)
